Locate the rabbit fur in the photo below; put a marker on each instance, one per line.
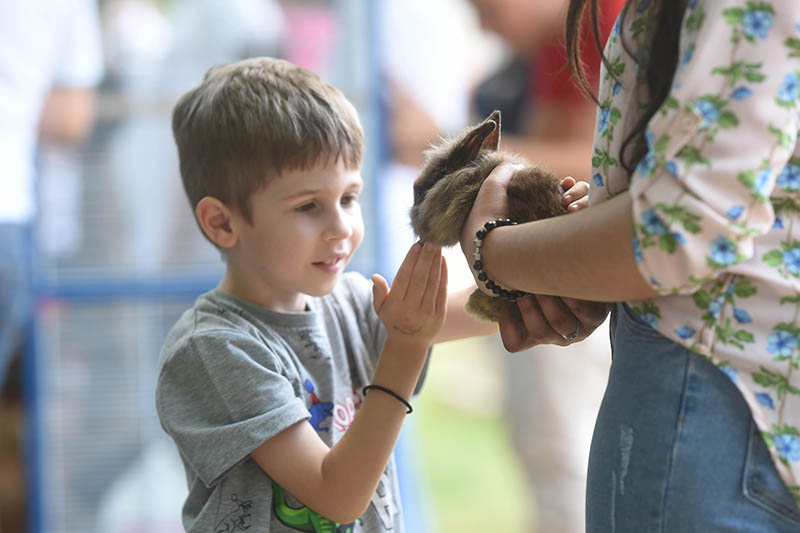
(449, 183)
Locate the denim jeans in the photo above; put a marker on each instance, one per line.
(675, 448)
(15, 291)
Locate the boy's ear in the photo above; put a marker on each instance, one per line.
(214, 218)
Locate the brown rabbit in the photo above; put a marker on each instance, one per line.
(448, 185)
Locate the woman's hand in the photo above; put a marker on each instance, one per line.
(551, 320)
(490, 204)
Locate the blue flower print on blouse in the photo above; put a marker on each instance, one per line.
(778, 224)
(735, 212)
(647, 164)
(787, 447)
(709, 111)
(598, 179)
(742, 316)
(685, 332)
(765, 400)
(687, 56)
(650, 319)
(672, 168)
(762, 181)
(789, 89)
(603, 119)
(789, 178)
(742, 93)
(637, 249)
(731, 372)
(653, 225)
(723, 251)
(757, 23)
(715, 306)
(781, 343)
(791, 258)
(642, 59)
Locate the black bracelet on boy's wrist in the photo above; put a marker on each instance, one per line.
(390, 392)
(510, 295)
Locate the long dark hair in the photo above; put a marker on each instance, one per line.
(659, 68)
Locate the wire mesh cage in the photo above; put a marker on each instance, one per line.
(105, 462)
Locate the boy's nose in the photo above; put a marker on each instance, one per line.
(339, 226)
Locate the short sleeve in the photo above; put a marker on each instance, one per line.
(80, 63)
(701, 195)
(220, 396)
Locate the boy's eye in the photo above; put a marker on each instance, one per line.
(349, 199)
(305, 207)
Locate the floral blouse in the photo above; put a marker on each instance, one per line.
(716, 199)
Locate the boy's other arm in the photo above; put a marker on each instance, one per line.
(339, 482)
(459, 324)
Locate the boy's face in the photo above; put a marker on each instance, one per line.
(306, 226)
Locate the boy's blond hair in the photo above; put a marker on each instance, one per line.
(249, 121)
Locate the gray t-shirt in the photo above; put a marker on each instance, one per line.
(233, 374)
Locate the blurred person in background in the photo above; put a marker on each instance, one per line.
(553, 393)
(156, 50)
(433, 55)
(50, 60)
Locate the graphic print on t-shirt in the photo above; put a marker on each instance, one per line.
(292, 513)
(295, 515)
(237, 520)
(319, 410)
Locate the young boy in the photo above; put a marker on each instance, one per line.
(261, 383)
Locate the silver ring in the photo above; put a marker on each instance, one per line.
(574, 335)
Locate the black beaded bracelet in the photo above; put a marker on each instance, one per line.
(481, 234)
(390, 392)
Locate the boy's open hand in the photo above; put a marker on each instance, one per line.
(413, 310)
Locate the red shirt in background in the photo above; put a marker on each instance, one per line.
(550, 77)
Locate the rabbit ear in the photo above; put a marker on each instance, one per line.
(472, 143)
(492, 141)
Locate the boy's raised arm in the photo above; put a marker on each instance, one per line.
(339, 482)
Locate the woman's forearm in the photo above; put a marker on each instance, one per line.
(587, 255)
